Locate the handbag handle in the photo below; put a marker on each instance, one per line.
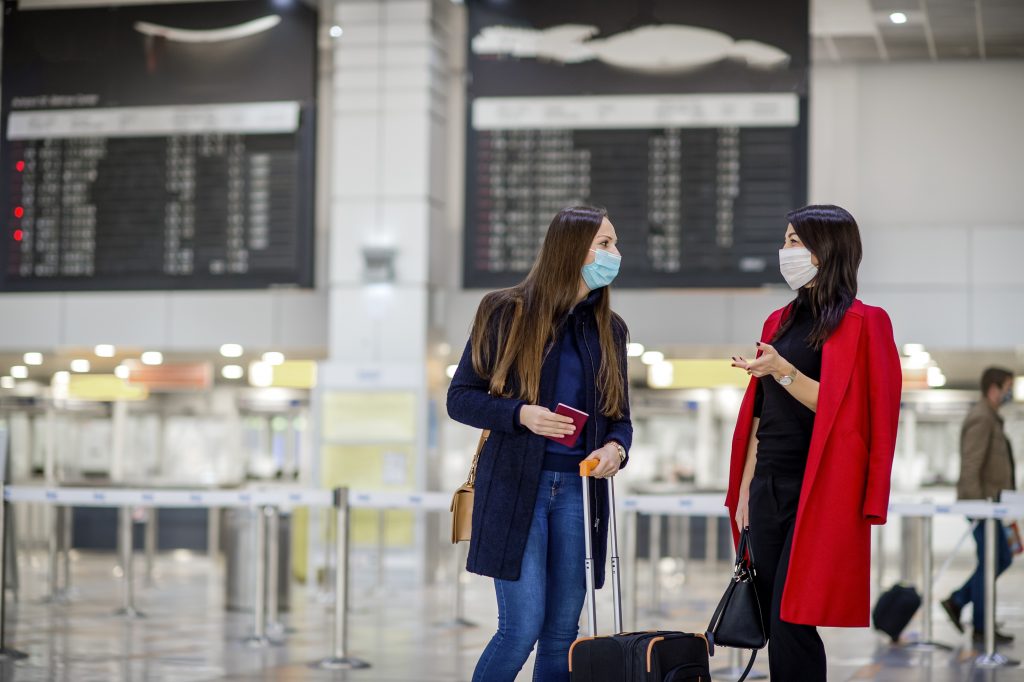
(745, 551)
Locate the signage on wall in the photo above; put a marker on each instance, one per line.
(158, 147)
(687, 121)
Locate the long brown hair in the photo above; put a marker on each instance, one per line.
(532, 310)
(831, 234)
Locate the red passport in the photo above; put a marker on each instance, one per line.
(578, 419)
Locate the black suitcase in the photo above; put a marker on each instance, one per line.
(662, 656)
(894, 610)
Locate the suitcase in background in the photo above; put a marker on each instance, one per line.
(664, 656)
(894, 609)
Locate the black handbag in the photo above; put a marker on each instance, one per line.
(738, 621)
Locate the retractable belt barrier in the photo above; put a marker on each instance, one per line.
(270, 502)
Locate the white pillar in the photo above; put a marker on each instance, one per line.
(388, 140)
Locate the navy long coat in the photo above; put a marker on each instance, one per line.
(511, 463)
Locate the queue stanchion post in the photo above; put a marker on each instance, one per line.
(258, 639)
(213, 532)
(150, 545)
(925, 642)
(66, 556)
(990, 658)
(52, 517)
(276, 630)
(5, 651)
(125, 543)
(654, 554)
(459, 620)
(382, 541)
(631, 528)
(339, 658)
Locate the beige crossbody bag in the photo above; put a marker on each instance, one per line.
(462, 500)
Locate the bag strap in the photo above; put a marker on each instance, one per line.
(713, 625)
(745, 549)
(750, 665)
(484, 435)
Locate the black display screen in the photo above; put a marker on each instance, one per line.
(687, 121)
(158, 147)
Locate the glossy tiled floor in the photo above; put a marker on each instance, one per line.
(186, 634)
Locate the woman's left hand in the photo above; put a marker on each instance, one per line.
(769, 363)
(608, 456)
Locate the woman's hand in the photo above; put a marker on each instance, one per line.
(609, 462)
(743, 507)
(544, 422)
(769, 363)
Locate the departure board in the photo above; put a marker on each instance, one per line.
(181, 159)
(697, 155)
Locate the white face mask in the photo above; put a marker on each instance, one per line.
(797, 267)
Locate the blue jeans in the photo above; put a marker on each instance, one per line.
(543, 607)
(973, 591)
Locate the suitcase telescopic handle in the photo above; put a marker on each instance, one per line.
(587, 467)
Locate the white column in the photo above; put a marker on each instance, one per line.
(387, 129)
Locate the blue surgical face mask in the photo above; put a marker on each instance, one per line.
(1007, 398)
(602, 271)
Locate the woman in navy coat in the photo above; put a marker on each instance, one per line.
(551, 339)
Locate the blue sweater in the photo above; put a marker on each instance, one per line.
(510, 466)
(569, 390)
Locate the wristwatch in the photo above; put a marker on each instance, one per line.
(622, 451)
(787, 379)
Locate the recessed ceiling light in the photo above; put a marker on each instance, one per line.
(652, 357)
(80, 365)
(231, 350)
(122, 372)
(336, 31)
(7, 382)
(33, 358)
(634, 350)
(105, 350)
(936, 379)
(232, 372)
(261, 374)
(61, 378)
(912, 349)
(450, 371)
(273, 358)
(19, 372)
(152, 357)
(898, 18)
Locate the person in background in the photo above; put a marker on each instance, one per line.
(551, 339)
(813, 448)
(986, 469)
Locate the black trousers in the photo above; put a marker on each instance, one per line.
(795, 652)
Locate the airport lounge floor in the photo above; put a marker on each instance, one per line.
(187, 636)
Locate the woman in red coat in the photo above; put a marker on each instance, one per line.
(814, 442)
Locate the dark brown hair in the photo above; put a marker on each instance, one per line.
(831, 234)
(532, 310)
(994, 376)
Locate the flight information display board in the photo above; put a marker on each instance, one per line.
(158, 147)
(687, 122)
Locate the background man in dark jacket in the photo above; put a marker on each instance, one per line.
(986, 469)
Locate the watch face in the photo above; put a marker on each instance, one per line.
(786, 380)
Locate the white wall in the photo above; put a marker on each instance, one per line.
(930, 159)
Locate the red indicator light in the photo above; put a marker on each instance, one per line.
(18, 234)
(20, 166)
(19, 212)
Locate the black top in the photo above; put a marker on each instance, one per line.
(784, 435)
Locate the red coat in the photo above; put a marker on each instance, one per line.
(846, 483)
